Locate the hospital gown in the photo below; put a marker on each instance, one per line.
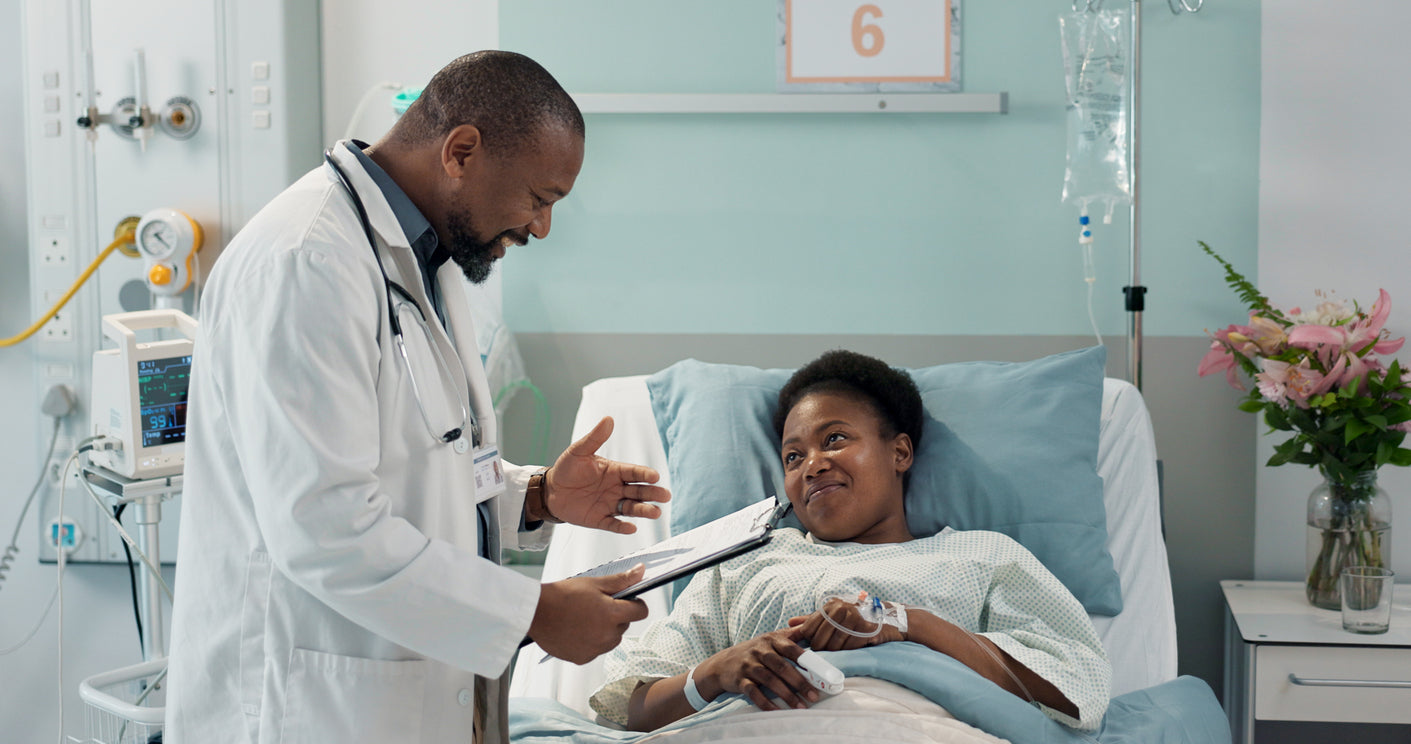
(984, 582)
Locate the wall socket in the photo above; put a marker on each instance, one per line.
(54, 251)
(59, 328)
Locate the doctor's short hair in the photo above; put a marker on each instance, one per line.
(509, 97)
(891, 392)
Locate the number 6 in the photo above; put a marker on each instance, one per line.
(862, 30)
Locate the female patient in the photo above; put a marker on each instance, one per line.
(849, 425)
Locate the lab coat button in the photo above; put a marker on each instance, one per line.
(461, 446)
(463, 697)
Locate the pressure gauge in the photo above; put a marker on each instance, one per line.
(167, 239)
(167, 233)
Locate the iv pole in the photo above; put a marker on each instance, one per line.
(1135, 293)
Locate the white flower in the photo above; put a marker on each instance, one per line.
(1327, 313)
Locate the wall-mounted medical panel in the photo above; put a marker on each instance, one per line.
(209, 108)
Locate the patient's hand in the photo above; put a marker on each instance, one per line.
(592, 491)
(577, 620)
(821, 635)
(754, 666)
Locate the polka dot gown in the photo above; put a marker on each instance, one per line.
(984, 582)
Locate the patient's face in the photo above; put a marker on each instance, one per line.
(842, 474)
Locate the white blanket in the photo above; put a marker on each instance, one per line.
(868, 711)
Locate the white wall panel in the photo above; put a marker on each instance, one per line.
(367, 42)
(1335, 175)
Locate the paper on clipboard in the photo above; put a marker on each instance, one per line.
(702, 547)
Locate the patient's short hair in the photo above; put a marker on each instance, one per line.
(889, 390)
(509, 97)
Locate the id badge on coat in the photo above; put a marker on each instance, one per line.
(489, 473)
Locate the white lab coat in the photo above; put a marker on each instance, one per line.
(328, 586)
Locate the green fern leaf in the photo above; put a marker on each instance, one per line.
(1247, 292)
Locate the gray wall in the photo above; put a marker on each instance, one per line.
(1205, 443)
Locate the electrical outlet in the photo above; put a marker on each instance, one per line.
(59, 328)
(55, 251)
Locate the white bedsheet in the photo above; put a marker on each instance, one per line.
(868, 711)
(1141, 641)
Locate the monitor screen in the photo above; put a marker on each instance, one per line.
(161, 395)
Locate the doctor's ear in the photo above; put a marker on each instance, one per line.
(458, 148)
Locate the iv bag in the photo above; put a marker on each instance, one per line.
(1095, 69)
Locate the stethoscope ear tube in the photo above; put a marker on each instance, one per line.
(371, 241)
(396, 324)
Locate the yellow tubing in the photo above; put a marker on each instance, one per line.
(124, 237)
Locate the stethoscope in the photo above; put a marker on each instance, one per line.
(395, 323)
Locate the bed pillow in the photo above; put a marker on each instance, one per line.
(1007, 446)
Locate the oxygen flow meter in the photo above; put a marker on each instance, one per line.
(168, 241)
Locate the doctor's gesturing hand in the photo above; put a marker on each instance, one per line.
(577, 619)
(585, 489)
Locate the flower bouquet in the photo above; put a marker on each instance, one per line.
(1321, 375)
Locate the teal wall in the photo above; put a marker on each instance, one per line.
(862, 223)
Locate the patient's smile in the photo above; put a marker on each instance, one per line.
(818, 490)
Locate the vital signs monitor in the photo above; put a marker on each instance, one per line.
(139, 393)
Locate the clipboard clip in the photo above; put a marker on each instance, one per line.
(771, 518)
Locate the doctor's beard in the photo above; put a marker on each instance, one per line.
(475, 257)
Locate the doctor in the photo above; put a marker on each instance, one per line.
(345, 506)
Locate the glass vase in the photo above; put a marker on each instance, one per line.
(1349, 524)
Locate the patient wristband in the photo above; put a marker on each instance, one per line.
(693, 696)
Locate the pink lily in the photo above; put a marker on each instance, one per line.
(1226, 344)
(1354, 337)
(1281, 382)
(1350, 343)
(1267, 335)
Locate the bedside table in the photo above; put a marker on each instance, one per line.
(1286, 660)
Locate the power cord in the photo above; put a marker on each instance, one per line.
(58, 403)
(14, 548)
(84, 446)
(132, 579)
(122, 531)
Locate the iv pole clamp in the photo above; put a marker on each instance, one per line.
(1135, 304)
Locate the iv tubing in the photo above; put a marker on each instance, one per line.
(123, 238)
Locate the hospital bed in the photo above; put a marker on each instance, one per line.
(1153, 705)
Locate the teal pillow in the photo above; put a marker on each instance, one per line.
(1007, 446)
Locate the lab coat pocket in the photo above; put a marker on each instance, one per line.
(351, 700)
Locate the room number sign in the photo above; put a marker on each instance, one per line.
(869, 45)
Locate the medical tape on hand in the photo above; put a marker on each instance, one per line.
(693, 695)
(872, 610)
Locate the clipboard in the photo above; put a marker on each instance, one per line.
(700, 548)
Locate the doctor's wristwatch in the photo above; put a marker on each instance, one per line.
(536, 499)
